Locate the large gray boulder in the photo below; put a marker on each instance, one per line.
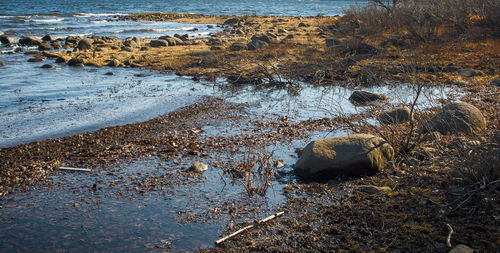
(353, 155)
(457, 117)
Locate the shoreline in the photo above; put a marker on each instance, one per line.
(323, 51)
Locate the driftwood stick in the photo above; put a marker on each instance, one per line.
(249, 227)
(75, 169)
(278, 214)
(233, 234)
(450, 232)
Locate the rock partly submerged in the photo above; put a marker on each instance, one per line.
(396, 116)
(360, 97)
(353, 155)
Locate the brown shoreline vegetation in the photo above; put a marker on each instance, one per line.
(446, 179)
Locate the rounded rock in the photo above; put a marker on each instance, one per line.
(457, 117)
(353, 155)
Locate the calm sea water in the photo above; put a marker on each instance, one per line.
(260, 7)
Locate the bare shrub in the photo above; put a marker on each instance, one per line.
(254, 171)
(422, 20)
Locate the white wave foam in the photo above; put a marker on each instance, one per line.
(98, 21)
(54, 20)
(88, 15)
(80, 34)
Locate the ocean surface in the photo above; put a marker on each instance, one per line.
(225, 7)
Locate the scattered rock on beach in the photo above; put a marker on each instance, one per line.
(238, 46)
(371, 189)
(233, 21)
(114, 63)
(171, 40)
(198, 167)
(2, 63)
(353, 155)
(461, 248)
(30, 41)
(47, 66)
(76, 62)
(84, 44)
(48, 38)
(61, 60)
(450, 68)
(262, 37)
(45, 47)
(158, 43)
(360, 97)
(396, 116)
(5, 39)
(457, 117)
(256, 44)
(37, 59)
(468, 72)
(495, 82)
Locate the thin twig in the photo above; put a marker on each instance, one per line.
(448, 238)
(75, 169)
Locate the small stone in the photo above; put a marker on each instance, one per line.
(76, 62)
(61, 60)
(256, 44)
(371, 189)
(36, 59)
(461, 248)
(467, 72)
(278, 164)
(47, 66)
(450, 68)
(238, 46)
(198, 167)
(495, 82)
(47, 38)
(109, 73)
(232, 21)
(2, 63)
(45, 46)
